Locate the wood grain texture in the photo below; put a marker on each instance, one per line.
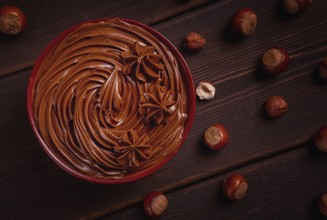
(34, 185)
(286, 186)
(47, 19)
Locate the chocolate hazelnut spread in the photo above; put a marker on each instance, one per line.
(110, 99)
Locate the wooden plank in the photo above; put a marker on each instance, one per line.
(47, 19)
(30, 179)
(286, 186)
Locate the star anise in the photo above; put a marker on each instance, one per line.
(132, 149)
(143, 61)
(156, 104)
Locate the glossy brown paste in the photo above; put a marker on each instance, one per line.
(110, 99)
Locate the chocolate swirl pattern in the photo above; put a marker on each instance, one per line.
(110, 99)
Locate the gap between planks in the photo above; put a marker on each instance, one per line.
(29, 64)
(199, 178)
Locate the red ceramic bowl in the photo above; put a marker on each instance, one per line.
(188, 81)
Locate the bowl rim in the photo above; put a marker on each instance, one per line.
(190, 91)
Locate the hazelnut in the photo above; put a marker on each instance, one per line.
(276, 106)
(216, 137)
(12, 20)
(244, 22)
(296, 6)
(155, 204)
(323, 204)
(235, 186)
(320, 139)
(194, 42)
(275, 61)
(323, 69)
(205, 90)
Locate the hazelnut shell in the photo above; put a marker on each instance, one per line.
(276, 106)
(296, 6)
(323, 69)
(155, 204)
(216, 137)
(244, 22)
(235, 186)
(12, 20)
(323, 204)
(275, 60)
(320, 139)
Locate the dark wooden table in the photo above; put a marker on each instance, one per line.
(286, 173)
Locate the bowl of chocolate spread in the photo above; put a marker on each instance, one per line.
(111, 100)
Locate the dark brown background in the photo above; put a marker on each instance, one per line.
(285, 172)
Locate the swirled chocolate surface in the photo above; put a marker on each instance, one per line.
(110, 99)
